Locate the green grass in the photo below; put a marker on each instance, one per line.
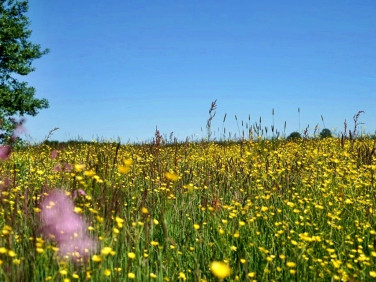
(272, 210)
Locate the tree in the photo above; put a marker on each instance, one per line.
(16, 56)
(294, 136)
(325, 133)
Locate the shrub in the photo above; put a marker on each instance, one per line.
(294, 136)
(325, 133)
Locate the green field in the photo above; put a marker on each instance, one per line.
(269, 210)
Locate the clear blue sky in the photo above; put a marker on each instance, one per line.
(121, 68)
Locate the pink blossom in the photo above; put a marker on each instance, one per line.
(4, 183)
(79, 191)
(54, 154)
(67, 228)
(77, 248)
(19, 128)
(57, 168)
(5, 152)
(55, 205)
(67, 167)
(70, 225)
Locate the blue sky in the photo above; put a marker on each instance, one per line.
(121, 68)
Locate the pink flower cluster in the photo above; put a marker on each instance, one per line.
(67, 228)
(5, 150)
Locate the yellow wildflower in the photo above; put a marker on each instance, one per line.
(79, 167)
(290, 264)
(251, 274)
(106, 250)
(63, 272)
(172, 176)
(96, 258)
(220, 269)
(182, 276)
(11, 253)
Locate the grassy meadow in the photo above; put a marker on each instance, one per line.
(268, 210)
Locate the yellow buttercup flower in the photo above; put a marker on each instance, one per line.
(172, 176)
(106, 250)
(124, 169)
(263, 208)
(290, 264)
(126, 166)
(119, 220)
(79, 167)
(63, 272)
(89, 173)
(96, 258)
(127, 162)
(182, 276)
(11, 253)
(220, 269)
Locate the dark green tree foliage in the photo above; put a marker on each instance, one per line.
(294, 136)
(325, 133)
(16, 56)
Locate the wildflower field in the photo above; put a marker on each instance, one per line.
(197, 211)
